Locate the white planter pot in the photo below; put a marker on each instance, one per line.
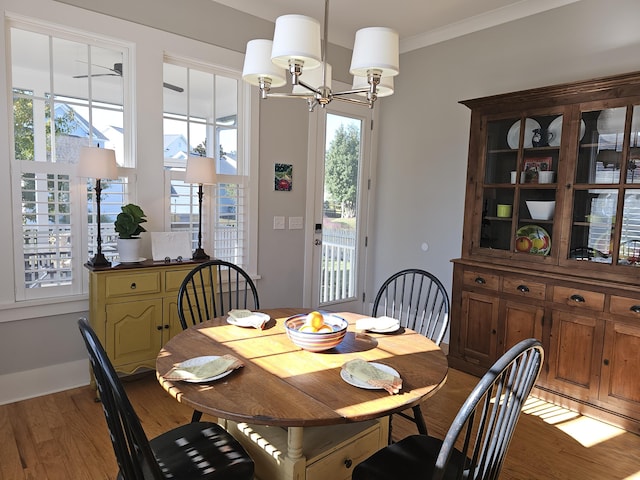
(129, 249)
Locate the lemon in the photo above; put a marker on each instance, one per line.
(307, 328)
(315, 319)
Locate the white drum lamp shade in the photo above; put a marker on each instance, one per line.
(201, 170)
(383, 89)
(97, 163)
(296, 38)
(376, 48)
(258, 64)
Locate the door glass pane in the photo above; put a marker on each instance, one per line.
(502, 150)
(594, 213)
(633, 164)
(600, 152)
(496, 218)
(340, 208)
(630, 235)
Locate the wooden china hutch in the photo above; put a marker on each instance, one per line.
(551, 242)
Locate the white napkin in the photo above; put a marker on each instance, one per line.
(365, 372)
(380, 323)
(247, 318)
(208, 369)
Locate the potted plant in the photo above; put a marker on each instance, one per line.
(128, 226)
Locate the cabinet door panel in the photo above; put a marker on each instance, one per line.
(132, 334)
(479, 328)
(521, 321)
(621, 363)
(574, 356)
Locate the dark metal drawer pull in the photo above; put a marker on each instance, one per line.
(133, 286)
(577, 298)
(480, 281)
(635, 308)
(522, 288)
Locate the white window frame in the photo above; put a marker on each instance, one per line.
(247, 168)
(78, 195)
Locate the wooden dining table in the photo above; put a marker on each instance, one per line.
(282, 385)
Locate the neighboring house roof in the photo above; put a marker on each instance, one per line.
(80, 126)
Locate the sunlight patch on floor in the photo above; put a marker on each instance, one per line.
(587, 431)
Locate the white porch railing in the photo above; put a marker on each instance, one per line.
(338, 265)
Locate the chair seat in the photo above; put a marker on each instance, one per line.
(413, 457)
(200, 450)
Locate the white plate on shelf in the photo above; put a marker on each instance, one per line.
(192, 362)
(555, 127)
(351, 380)
(141, 259)
(513, 136)
(248, 321)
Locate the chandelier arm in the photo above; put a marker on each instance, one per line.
(290, 95)
(354, 101)
(350, 92)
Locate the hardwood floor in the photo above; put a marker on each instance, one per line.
(64, 436)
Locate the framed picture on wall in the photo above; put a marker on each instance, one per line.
(283, 177)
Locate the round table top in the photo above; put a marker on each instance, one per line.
(283, 385)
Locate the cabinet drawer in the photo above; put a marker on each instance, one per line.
(483, 280)
(339, 464)
(628, 307)
(579, 298)
(132, 284)
(524, 288)
(173, 279)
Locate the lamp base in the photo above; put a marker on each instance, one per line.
(199, 254)
(99, 261)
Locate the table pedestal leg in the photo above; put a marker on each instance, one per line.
(295, 462)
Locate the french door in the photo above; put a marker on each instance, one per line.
(338, 197)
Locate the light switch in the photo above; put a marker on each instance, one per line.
(295, 223)
(278, 223)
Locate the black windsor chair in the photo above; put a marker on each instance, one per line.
(212, 289)
(482, 430)
(202, 450)
(420, 302)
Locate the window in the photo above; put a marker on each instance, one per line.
(201, 117)
(68, 92)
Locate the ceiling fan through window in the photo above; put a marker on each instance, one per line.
(116, 71)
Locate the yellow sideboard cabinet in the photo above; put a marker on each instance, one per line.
(133, 310)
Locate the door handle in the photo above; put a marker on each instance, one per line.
(317, 242)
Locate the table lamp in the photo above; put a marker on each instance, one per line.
(200, 170)
(98, 163)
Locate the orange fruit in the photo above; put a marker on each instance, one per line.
(315, 319)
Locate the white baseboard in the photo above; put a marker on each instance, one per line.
(43, 381)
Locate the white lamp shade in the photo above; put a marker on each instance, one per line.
(297, 38)
(375, 48)
(314, 78)
(258, 64)
(97, 163)
(201, 170)
(384, 88)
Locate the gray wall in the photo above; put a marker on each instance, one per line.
(424, 131)
(423, 141)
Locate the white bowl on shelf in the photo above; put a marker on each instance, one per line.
(541, 210)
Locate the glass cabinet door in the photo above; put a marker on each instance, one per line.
(519, 188)
(606, 197)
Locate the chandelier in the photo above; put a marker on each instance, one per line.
(297, 48)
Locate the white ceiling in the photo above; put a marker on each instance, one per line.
(419, 22)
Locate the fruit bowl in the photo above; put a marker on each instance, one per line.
(316, 341)
(541, 210)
